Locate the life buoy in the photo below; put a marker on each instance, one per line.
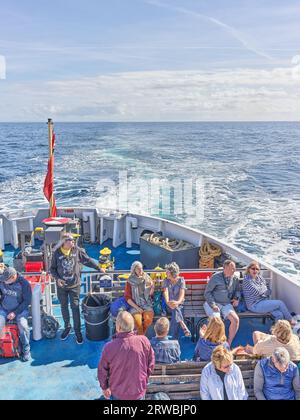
(56, 221)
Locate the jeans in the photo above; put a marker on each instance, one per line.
(177, 316)
(64, 295)
(276, 307)
(24, 330)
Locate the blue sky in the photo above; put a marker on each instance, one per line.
(145, 60)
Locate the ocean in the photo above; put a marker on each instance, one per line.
(236, 181)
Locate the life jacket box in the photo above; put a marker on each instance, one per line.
(10, 344)
(34, 267)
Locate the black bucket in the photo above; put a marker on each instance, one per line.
(96, 311)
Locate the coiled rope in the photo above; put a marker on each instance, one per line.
(208, 252)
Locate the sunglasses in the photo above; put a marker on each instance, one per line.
(226, 367)
(255, 269)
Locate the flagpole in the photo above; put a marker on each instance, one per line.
(50, 134)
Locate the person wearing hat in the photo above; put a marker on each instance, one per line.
(65, 268)
(15, 298)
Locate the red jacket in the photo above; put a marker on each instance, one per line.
(126, 365)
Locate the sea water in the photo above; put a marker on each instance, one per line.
(249, 174)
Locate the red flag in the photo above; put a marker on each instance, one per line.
(48, 185)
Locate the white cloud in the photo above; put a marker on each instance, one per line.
(238, 94)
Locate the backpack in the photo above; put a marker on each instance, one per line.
(10, 344)
(50, 326)
(118, 305)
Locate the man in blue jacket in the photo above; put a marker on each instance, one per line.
(15, 298)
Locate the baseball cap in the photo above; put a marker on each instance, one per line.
(8, 273)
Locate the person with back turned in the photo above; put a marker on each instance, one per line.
(65, 268)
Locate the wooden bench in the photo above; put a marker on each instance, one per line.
(194, 312)
(181, 381)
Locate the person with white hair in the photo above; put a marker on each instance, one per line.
(126, 362)
(277, 378)
(174, 294)
(139, 290)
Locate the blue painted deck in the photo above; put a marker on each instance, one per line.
(66, 371)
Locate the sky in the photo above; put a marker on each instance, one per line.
(149, 60)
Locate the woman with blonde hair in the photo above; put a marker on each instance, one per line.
(222, 379)
(139, 290)
(257, 294)
(211, 336)
(282, 336)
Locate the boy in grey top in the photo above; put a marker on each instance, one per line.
(222, 296)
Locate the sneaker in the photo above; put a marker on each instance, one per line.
(65, 334)
(79, 338)
(26, 357)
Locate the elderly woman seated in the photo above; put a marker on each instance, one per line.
(139, 290)
(174, 294)
(166, 351)
(257, 295)
(222, 379)
(282, 336)
(277, 378)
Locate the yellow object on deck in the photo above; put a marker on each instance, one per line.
(208, 252)
(160, 276)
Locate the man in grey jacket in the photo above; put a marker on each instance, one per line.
(66, 270)
(222, 296)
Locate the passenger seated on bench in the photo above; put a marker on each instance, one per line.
(282, 336)
(165, 350)
(222, 295)
(210, 337)
(139, 290)
(257, 293)
(174, 294)
(15, 298)
(222, 379)
(277, 378)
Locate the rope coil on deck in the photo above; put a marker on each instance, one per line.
(208, 252)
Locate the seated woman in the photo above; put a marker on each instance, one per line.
(257, 293)
(277, 378)
(222, 379)
(139, 290)
(211, 336)
(165, 350)
(174, 294)
(282, 336)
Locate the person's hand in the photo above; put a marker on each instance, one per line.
(11, 316)
(216, 309)
(61, 283)
(248, 349)
(102, 270)
(140, 310)
(172, 304)
(107, 394)
(203, 330)
(237, 350)
(235, 302)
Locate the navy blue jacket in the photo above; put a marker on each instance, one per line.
(15, 297)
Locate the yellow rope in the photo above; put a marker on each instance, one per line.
(208, 252)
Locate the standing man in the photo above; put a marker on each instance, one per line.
(15, 298)
(66, 267)
(222, 295)
(126, 362)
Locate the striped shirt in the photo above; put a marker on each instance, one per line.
(255, 291)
